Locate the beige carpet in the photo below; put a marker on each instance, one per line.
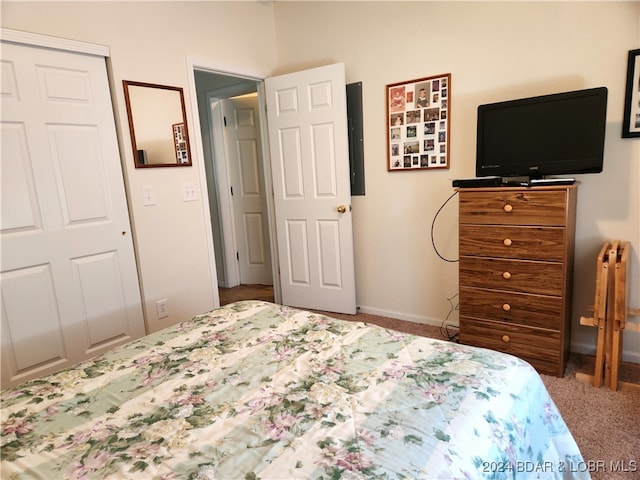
(605, 424)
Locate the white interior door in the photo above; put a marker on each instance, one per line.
(244, 157)
(308, 139)
(68, 274)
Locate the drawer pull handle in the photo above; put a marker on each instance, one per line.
(507, 208)
(506, 307)
(505, 338)
(507, 242)
(506, 275)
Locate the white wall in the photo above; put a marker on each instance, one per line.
(494, 51)
(149, 42)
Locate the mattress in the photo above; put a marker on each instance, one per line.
(255, 390)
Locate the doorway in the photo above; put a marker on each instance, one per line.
(312, 251)
(232, 147)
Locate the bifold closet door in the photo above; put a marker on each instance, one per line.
(68, 274)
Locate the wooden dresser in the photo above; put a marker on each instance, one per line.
(516, 265)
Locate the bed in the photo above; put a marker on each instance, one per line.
(255, 390)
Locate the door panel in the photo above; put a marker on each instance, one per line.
(297, 254)
(324, 161)
(255, 229)
(329, 239)
(18, 183)
(290, 163)
(77, 163)
(33, 328)
(68, 275)
(97, 280)
(310, 167)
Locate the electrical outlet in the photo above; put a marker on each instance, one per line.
(163, 308)
(148, 197)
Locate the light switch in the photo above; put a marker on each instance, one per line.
(189, 193)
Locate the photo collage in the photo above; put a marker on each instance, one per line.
(418, 123)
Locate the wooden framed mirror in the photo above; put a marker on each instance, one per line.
(158, 125)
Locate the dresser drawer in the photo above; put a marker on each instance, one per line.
(514, 207)
(542, 278)
(514, 308)
(525, 243)
(541, 348)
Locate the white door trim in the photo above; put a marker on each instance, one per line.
(232, 273)
(46, 41)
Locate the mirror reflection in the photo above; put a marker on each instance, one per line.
(158, 125)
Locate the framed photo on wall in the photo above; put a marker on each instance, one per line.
(180, 141)
(631, 123)
(418, 123)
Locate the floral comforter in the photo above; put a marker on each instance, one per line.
(255, 390)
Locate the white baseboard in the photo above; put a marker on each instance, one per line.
(576, 347)
(435, 322)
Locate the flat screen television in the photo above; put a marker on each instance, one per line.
(558, 134)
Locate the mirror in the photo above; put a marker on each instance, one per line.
(158, 125)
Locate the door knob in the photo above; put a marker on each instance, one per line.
(342, 208)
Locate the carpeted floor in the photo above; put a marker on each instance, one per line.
(605, 424)
(246, 292)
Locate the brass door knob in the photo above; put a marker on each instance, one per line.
(506, 275)
(507, 208)
(342, 208)
(505, 338)
(506, 307)
(507, 242)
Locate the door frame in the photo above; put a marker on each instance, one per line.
(225, 207)
(47, 41)
(204, 65)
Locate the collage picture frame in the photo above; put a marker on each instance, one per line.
(180, 142)
(418, 123)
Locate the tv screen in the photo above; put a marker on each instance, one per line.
(558, 134)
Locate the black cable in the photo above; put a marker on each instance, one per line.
(452, 337)
(433, 222)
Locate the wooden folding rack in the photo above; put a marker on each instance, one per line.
(610, 315)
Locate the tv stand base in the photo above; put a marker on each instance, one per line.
(536, 182)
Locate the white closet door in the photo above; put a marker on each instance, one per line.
(68, 274)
